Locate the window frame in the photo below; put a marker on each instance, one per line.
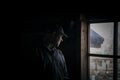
(115, 57)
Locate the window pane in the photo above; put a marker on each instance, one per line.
(118, 38)
(118, 69)
(101, 38)
(101, 68)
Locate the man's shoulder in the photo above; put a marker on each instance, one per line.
(58, 51)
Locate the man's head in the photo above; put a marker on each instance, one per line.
(54, 35)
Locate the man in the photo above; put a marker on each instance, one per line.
(50, 61)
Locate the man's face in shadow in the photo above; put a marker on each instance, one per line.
(57, 39)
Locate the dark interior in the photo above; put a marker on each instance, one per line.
(71, 46)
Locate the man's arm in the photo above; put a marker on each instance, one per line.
(66, 75)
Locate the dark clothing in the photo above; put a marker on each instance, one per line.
(50, 64)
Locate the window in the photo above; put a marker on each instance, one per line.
(101, 38)
(101, 68)
(104, 51)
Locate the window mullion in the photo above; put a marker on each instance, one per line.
(115, 41)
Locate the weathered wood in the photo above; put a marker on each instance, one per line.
(83, 49)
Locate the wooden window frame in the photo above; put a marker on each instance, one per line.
(115, 57)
